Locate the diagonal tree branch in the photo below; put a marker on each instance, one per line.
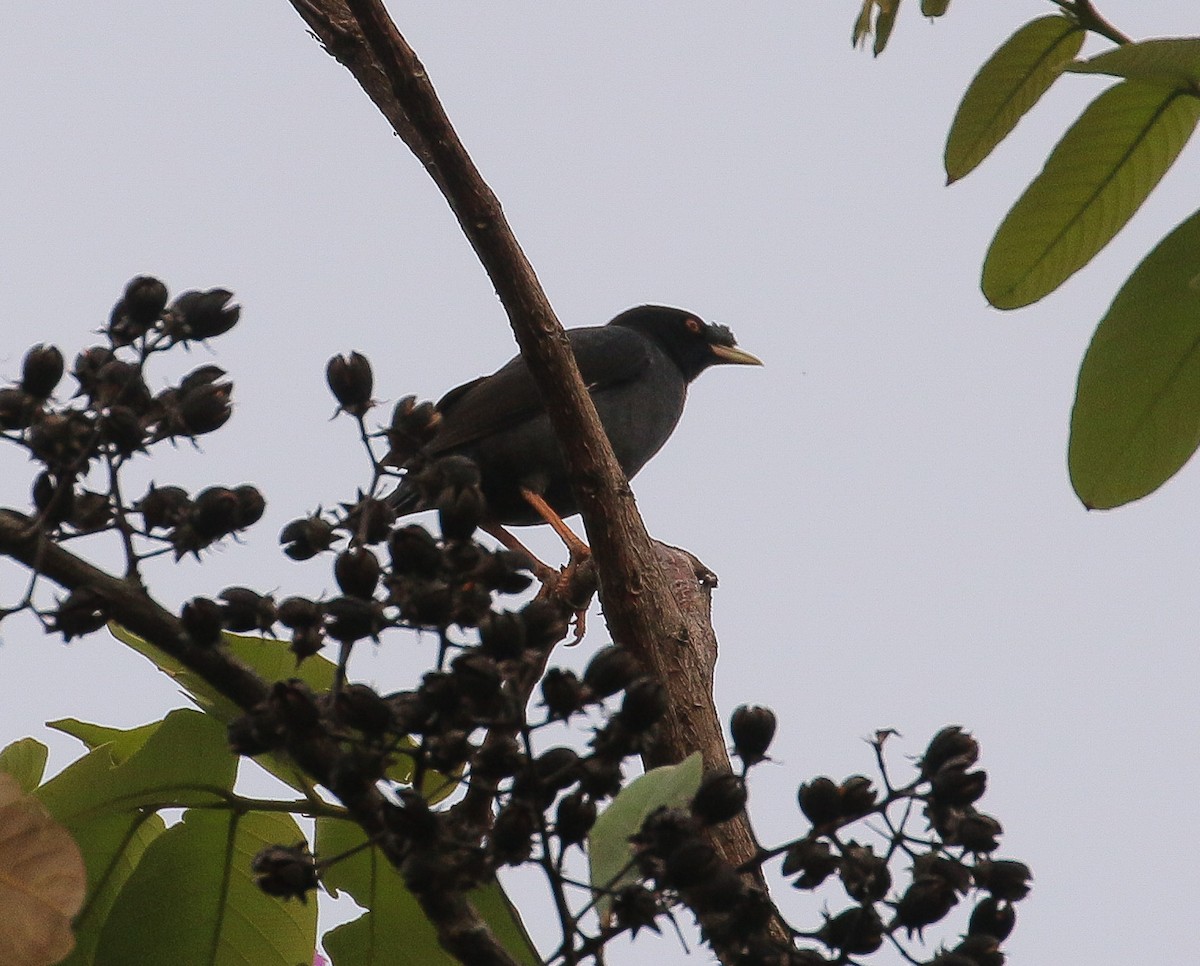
(643, 607)
(642, 611)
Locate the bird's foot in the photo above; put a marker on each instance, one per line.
(573, 587)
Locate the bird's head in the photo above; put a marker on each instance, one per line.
(692, 343)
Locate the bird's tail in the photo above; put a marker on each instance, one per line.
(405, 498)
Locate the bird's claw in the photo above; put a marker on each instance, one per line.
(572, 585)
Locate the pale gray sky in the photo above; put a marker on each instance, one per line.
(886, 502)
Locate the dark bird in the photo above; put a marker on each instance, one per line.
(637, 369)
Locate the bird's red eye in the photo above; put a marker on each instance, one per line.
(693, 325)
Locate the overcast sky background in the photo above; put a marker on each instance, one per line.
(886, 502)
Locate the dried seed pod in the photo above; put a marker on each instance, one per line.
(949, 743)
(247, 610)
(306, 537)
(856, 932)
(41, 370)
(164, 507)
(200, 315)
(864, 874)
(123, 429)
(350, 619)
(752, 728)
(924, 902)
(87, 366)
(992, 917)
(953, 785)
(361, 707)
(858, 796)
(644, 704)
(356, 571)
(90, 511)
(202, 619)
(80, 612)
(17, 408)
(288, 872)
(369, 520)
(413, 425)
(610, 670)
(820, 801)
(635, 907)
(977, 832)
(215, 513)
(562, 693)
(415, 553)
(980, 950)
(814, 859)
(351, 381)
(502, 635)
(574, 819)
(690, 864)
(1003, 878)
(720, 797)
(511, 838)
(299, 612)
(138, 310)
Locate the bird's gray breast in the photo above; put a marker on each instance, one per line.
(640, 415)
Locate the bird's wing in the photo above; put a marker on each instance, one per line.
(607, 356)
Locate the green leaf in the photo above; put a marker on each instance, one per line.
(1174, 61)
(183, 761)
(884, 24)
(1136, 418)
(885, 18)
(122, 743)
(392, 911)
(192, 899)
(934, 8)
(609, 850)
(273, 660)
(1006, 87)
(1095, 179)
(131, 838)
(25, 760)
(862, 23)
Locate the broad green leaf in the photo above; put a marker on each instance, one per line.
(1006, 87)
(133, 840)
(122, 742)
(1095, 179)
(1174, 61)
(609, 850)
(42, 880)
(184, 761)
(25, 760)
(1136, 418)
(192, 899)
(394, 931)
(934, 8)
(271, 659)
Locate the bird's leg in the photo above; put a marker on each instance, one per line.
(541, 570)
(576, 547)
(579, 553)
